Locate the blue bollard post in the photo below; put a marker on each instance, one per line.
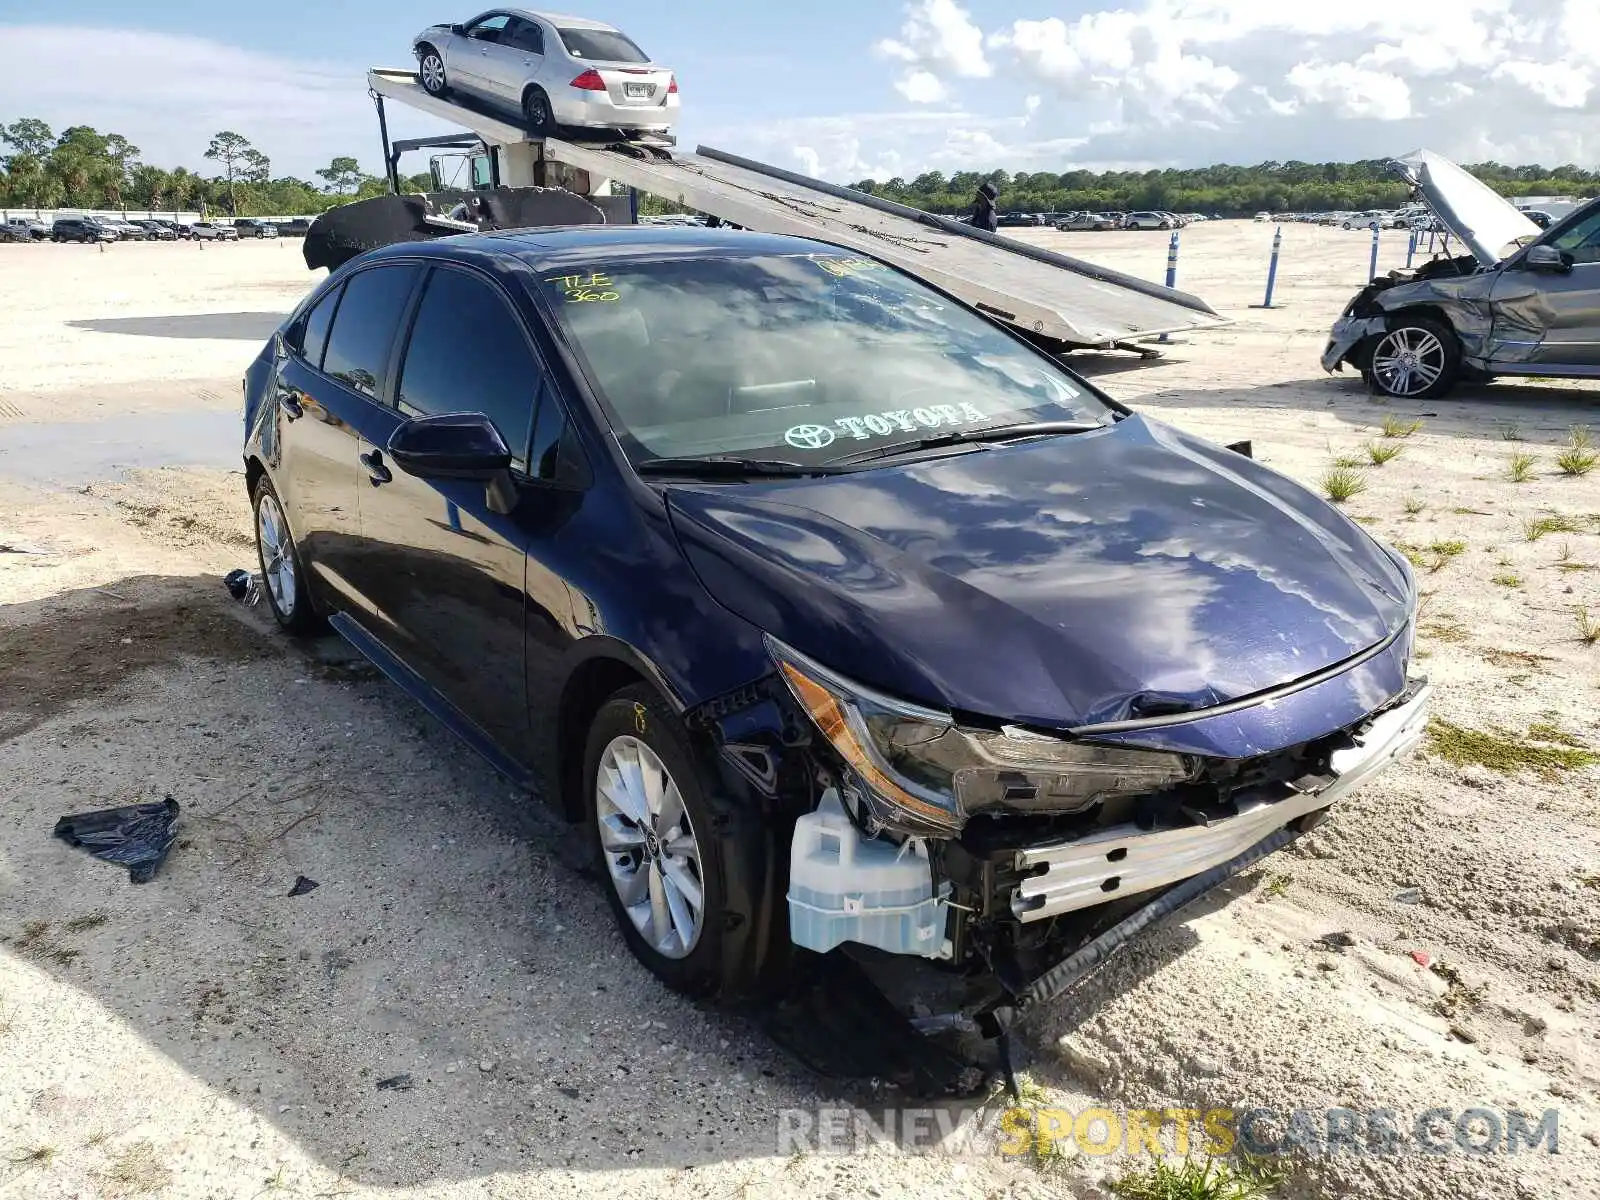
(1272, 268)
(1411, 249)
(1372, 268)
(1172, 272)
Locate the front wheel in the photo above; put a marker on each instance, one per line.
(658, 840)
(1416, 359)
(430, 70)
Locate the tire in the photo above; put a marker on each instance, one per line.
(682, 946)
(536, 110)
(283, 576)
(430, 72)
(1416, 359)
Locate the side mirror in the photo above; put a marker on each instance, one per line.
(458, 30)
(450, 446)
(1547, 258)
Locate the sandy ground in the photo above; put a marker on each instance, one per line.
(207, 1035)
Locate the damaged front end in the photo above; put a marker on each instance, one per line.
(1005, 855)
(1457, 290)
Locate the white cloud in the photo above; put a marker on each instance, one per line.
(1560, 84)
(169, 93)
(921, 87)
(938, 39)
(1352, 91)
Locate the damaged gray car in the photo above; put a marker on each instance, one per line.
(1514, 299)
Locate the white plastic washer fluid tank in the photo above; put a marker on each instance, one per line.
(845, 887)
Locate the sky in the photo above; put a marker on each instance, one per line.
(852, 89)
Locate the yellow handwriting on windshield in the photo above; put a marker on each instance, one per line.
(593, 288)
(846, 267)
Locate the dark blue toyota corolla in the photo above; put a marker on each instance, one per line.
(839, 614)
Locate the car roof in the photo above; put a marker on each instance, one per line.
(586, 247)
(562, 20)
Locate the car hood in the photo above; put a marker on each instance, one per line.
(1483, 219)
(1102, 576)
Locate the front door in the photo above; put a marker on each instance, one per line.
(446, 585)
(469, 64)
(1550, 318)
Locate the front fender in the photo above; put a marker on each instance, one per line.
(1348, 333)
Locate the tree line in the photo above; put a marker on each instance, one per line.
(1227, 191)
(84, 168)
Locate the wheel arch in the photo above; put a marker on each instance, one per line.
(605, 667)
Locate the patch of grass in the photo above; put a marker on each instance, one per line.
(1507, 580)
(1383, 452)
(1520, 468)
(1395, 427)
(1549, 731)
(135, 1172)
(1457, 994)
(1349, 462)
(1470, 512)
(38, 943)
(1444, 630)
(1501, 751)
(1511, 433)
(1588, 626)
(1576, 461)
(1277, 885)
(1213, 1179)
(1578, 437)
(1413, 554)
(1415, 505)
(1341, 483)
(87, 922)
(1535, 528)
(34, 1156)
(1513, 658)
(1448, 549)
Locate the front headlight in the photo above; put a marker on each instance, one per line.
(920, 773)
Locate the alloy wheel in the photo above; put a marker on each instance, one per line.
(1408, 361)
(650, 847)
(277, 553)
(433, 73)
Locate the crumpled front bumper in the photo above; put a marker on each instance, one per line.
(1348, 333)
(1126, 860)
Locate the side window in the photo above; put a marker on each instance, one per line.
(468, 353)
(1582, 241)
(489, 29)
(549, 438)
(526, 36)
(313, 337)
(364, 328)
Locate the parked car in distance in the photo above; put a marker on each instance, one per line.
(125, 230)
(81, 229)
(1513, 300)
(253, 227)
(1018, 221)
(1539, 217)
(295, 227)
(1085, 220)
(15, 233)
(552, 71)
(1148, 220)
(157, 230)
(30, 227)
(213, 231)
(695, 592)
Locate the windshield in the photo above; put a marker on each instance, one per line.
(601, 45)
(802, 358)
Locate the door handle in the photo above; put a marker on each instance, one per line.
(376, 471)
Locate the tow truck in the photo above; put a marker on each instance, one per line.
(1059, 302)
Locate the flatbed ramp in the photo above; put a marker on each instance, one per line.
(1049, 295)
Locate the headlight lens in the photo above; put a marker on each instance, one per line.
(923, 774)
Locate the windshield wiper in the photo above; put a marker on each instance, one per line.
(998, 433)
(726, 466)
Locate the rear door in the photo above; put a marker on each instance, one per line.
(326, 392)
(445, 583)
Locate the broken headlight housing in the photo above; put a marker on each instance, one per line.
(920, 773)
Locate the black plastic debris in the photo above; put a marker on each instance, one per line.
(396, 1083)
(136, 836)
(242, 586)
(302, 885)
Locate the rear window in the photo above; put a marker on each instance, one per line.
(601, 45)
(799, 357)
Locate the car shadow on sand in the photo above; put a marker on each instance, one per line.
(450, 1001)
(237, 326)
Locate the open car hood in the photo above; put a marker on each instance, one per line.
(1484, 220)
